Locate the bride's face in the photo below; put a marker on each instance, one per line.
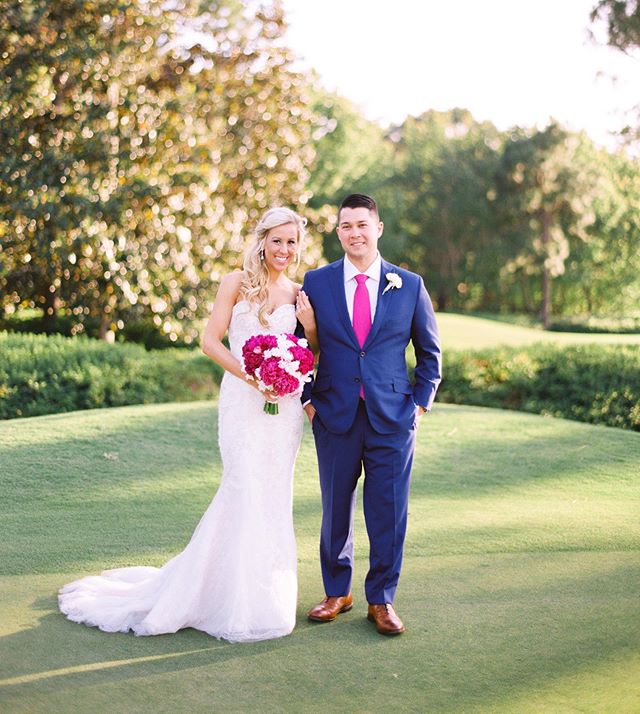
(280, 247)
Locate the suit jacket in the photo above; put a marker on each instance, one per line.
(402, 315)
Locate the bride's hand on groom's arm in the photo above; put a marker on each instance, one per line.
(307, 318)
(304, 311)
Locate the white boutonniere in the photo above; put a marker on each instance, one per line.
(393, 281)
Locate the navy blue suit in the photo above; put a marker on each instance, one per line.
(377, 433)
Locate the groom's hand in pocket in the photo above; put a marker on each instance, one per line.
(310, 411)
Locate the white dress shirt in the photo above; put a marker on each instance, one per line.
(372, 284)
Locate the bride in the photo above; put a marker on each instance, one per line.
(236, 579)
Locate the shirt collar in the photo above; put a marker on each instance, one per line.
(373, 271)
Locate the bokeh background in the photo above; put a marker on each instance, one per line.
(141, 139)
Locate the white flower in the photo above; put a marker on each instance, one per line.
(289, 366)
(393, 281)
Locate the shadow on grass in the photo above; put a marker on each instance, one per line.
(126, 443)
(475, 635)
(69, 507)
(489, 451)
(86, 655)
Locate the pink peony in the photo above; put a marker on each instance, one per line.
(286, 384)
(252, 362)
(271, 370)
(304, 356)
(253, 351)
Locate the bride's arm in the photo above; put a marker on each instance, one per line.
(218, 324)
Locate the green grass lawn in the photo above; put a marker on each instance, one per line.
(464, 332)
(520, 589)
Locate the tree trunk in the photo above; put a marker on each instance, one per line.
(586, 291)
(48, 292)
(51, 304)
(106, 315)
(105, 321)
(443, 299)
(527, 301)
(545, 310)
(546, 297)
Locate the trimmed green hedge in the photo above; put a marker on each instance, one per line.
(597, 325)
(42, 374)
(599, 384)
(139, 330)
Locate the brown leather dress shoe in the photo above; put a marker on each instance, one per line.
(330, 608)
(387, 622)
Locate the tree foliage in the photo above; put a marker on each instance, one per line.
(494, 219)
(351, 156)
(622, 18)
(443, 183)
(602, 273)
(139, 141)
(622, 21)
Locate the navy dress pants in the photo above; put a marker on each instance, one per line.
(386, 460)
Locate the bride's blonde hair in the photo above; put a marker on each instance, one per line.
(256, 275)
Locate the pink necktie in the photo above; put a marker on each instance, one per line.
(361, 313)
(361, 310)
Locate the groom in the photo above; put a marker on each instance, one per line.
(364, 410)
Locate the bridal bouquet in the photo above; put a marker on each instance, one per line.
(280, 363)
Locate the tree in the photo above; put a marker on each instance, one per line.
(603, 272)
(138, 143)
(442, 188)
(622, 20)
(546, 192)
(351, 156)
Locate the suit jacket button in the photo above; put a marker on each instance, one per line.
(357, 379)
(362, 354)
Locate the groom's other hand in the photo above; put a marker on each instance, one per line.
(420, 411)
(310, 411)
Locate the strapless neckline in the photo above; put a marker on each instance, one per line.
(273, 312)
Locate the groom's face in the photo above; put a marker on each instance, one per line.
(359, 230)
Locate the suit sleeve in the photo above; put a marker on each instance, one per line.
(426, 343)
(306, 392)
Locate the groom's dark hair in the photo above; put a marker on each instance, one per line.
(359, 200)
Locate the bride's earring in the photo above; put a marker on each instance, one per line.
(261, 253)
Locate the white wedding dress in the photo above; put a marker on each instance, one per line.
(236, 579)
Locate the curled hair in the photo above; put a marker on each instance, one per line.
(256, 275)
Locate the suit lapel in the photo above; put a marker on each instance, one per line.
(336, 277)
(382, 305)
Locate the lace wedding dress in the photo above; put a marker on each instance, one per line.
(236, 579)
